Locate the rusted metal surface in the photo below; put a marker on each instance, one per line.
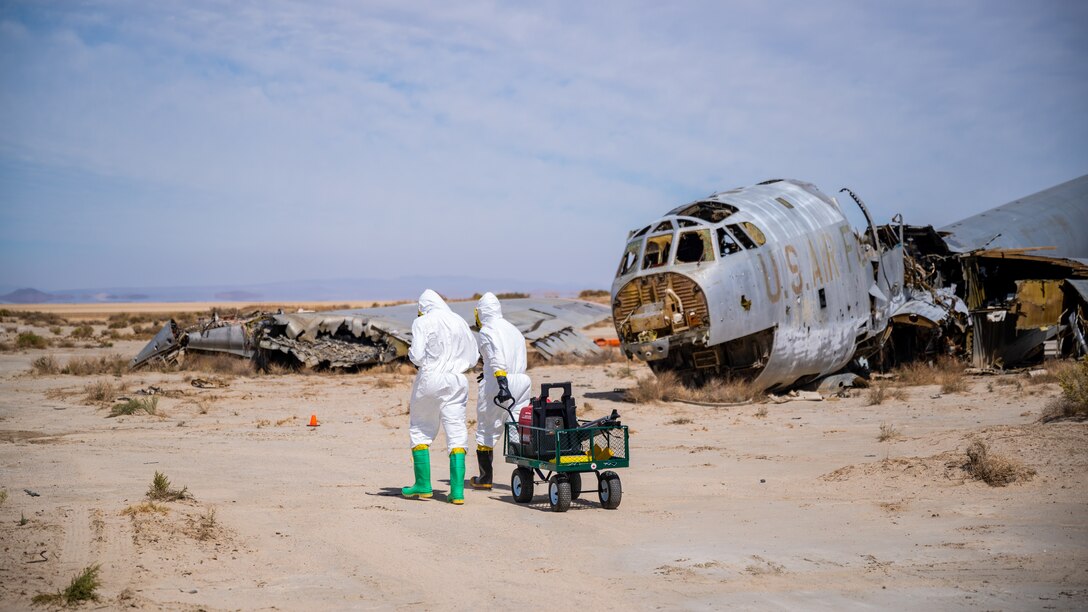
(1038, 303)
(789, 291)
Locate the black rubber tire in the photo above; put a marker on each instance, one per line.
(575, 480)
(610, 490)
(559, 493)
(521, 485)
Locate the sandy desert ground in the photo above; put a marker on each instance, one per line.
(770, 506)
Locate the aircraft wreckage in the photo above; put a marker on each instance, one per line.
(366, 336)
(772, 284)
(769, 283)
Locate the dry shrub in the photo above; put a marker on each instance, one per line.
(399, 367)
(90, 366)
(147, 507)
(887, 432)
(150, 405)
(947, 372)
(877, 394)
(994, 470)
(667, 386)
(1073, 402)
(39, 319)
(82, 332)
(681, 421)
(45, 365)
(101, 391)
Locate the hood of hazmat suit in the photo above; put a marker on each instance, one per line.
(501, 343)
(441, 340)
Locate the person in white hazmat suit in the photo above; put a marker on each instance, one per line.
(503, 349)
(443, 348)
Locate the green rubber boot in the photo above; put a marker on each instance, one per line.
(457, 476)
(421, 461)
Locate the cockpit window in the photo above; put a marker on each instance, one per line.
(694, 246)
(726, 244)
(657, 251)
(741, 236)
(664, 226)
(755, 233)
(686, 223)
(709, 210)
(642, 232)
(630, 258)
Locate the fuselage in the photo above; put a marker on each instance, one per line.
(769, 282)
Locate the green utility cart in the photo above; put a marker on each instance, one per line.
(548, 442)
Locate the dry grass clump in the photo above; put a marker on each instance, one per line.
(30, 340)
(206, 525)
(667, 386)
(947, 372)
(150, 405)
(218, 364)
(147, 507)
(880, 392)
(101, 391)
(90, 366)
(887, 432)
(994, 470)
(82, 588)
(605, 355)
(160, 489)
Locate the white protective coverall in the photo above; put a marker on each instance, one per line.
(443, 348)
(503, 349)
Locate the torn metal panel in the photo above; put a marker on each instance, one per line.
(164, 343)
(996, 342)
(1080, 286)
(1038, 303)
(231, 339)
(1055, 217)
(930, 308)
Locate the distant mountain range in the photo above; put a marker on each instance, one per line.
(407, 288)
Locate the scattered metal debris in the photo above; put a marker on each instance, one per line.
(365, 336)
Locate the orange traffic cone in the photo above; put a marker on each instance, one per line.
(313, 421)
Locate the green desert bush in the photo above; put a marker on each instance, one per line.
(30, 340)
(82, 588)
(160, 489)
(149, 405)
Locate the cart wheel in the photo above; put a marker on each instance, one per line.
(575, 480)
(609, 490)
(559, 493)
(521, 484)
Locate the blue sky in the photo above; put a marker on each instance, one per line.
(146, 144)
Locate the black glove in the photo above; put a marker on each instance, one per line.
(504, 394)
